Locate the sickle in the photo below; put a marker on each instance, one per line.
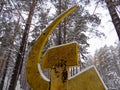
(35, 80)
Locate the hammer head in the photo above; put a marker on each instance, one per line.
(66, 52)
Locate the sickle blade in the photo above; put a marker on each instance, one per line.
(35, 79)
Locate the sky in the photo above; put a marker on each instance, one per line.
(106, 27)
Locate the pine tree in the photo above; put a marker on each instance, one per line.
(115, 18)
(21, 53)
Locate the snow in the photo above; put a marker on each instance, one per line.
(41, 73)
(63, 45)
(18, 86)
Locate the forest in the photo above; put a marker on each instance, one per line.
(22, 21)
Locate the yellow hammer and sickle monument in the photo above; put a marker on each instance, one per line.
(58, 60)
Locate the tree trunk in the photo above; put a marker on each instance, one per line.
(115, 18)
(65, 30)
(20, 55)
(65, 22)
(9, 53)
(59, 32)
